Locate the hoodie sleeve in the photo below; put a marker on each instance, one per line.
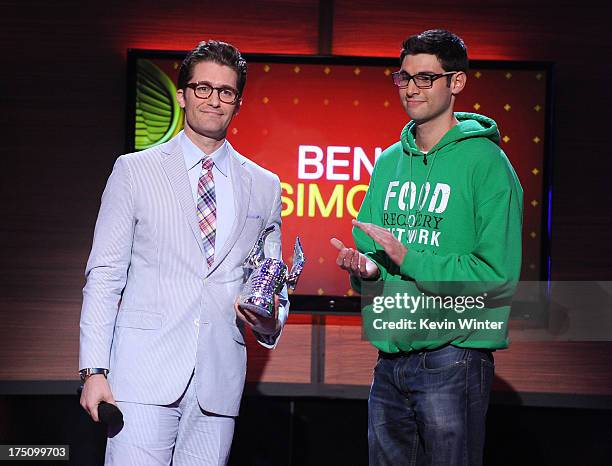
(367, 245)
(494, 264)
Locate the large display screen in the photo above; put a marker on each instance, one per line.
(321, 122)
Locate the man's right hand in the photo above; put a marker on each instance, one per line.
(95, 390)
(354, 262)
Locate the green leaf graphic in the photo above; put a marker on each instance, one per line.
(158, 115)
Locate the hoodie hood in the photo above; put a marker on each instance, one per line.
(471, 125)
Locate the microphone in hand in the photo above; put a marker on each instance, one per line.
(110, 415)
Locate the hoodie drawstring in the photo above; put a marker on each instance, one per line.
(418, 201)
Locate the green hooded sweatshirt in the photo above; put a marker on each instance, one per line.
(458, 210)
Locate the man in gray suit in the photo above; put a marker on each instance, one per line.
(159, 317)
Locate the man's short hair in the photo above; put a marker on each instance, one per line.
(446, 46)
(218, 52)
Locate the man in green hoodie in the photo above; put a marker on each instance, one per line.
(441, 222)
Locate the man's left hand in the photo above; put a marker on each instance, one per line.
(260, 324)
(394, 249)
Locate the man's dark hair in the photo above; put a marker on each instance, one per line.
(218, 52)
(446, 46)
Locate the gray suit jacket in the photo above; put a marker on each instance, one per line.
(152, 308)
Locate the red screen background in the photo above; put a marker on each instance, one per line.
(288, 105)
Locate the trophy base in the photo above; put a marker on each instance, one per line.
(262, 310)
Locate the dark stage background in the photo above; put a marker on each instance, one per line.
(63, 123)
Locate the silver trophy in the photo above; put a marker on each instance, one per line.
(266, 276)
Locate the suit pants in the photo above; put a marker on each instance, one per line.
(179, 434)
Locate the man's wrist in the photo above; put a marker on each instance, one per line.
(89, 371)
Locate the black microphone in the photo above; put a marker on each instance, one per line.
(109, 414)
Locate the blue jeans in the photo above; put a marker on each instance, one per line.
(429, 407)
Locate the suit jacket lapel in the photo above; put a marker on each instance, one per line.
(173, 163)
(241, 185)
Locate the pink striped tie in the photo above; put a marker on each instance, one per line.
(207, 209)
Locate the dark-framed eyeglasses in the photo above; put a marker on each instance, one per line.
(422, 80)
(204, 90)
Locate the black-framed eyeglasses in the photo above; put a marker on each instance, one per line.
(204, 90)
(422, 80)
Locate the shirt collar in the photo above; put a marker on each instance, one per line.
(193, 154)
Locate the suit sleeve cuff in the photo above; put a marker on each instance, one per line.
(268, 341)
